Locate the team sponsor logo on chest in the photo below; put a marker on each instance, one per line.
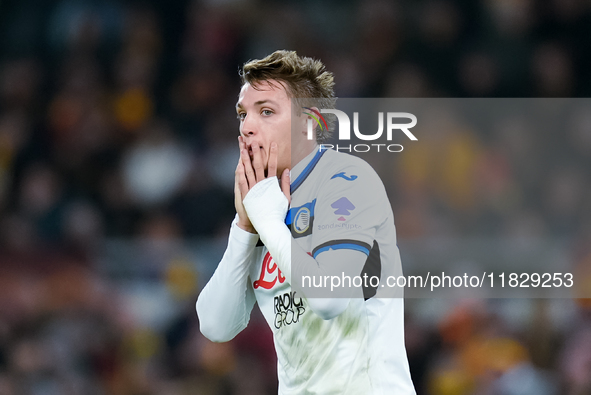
(288, 309)
(270, 274)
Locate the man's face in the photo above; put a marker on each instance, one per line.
(265, 117)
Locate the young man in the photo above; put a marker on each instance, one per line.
(340, 223)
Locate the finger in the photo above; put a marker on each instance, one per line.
(241, 144)
(241, 180)
(237, 193)
(247, 165)
(285, 184)
(272, 164)
(257, 162)
(236, 176)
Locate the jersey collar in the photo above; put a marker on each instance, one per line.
(301, 171)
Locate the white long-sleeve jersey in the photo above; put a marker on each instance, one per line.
(338, 205)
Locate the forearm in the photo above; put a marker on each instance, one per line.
(224, 305)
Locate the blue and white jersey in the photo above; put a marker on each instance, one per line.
(337, 202)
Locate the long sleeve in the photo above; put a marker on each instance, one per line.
(266, 207)
(225, 304)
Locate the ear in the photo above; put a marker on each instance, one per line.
(308, 120)
(312, 115)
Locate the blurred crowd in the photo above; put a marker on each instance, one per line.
(117, 125)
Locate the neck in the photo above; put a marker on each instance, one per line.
(300, 151)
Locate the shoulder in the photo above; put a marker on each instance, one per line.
(348, 170)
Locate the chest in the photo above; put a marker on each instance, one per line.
(281, 306)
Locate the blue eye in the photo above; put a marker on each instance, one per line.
(241, 116)
(267, 112)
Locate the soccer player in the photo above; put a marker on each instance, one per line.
(307, 211)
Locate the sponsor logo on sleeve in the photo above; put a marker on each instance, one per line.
(343, 208)
(341, 225)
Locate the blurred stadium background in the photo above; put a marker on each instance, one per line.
(117, 152)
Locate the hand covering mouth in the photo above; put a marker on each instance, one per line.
(250, 151)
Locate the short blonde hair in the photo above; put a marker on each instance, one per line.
(305, 78)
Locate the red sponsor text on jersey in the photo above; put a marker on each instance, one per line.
(273, 272)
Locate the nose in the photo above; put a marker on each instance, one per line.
(248, 127)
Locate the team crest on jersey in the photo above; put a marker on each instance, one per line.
(301, 219)
(301, 222)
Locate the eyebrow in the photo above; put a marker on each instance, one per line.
(256, 103)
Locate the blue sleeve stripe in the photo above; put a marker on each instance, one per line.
(344, 246)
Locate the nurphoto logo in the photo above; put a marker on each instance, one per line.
(393, 125)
